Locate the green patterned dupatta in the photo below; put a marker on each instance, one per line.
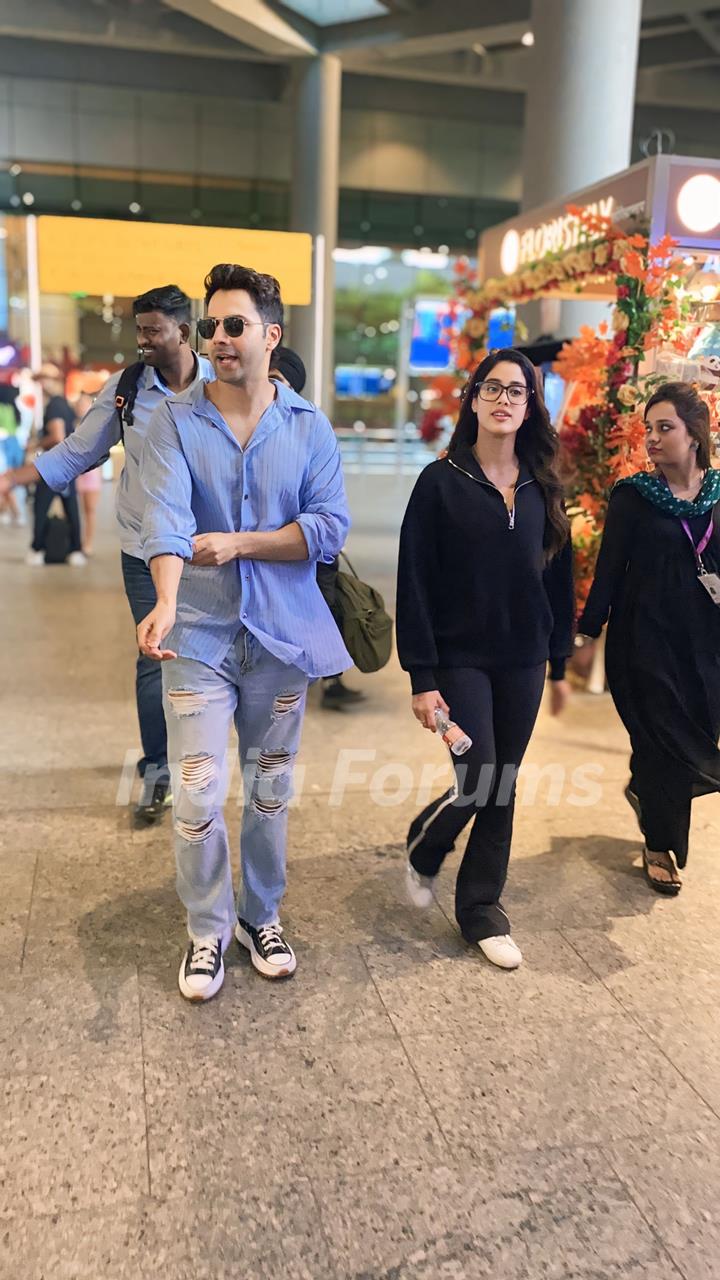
(655, 488)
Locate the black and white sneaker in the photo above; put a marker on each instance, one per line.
(202, 971)
(155, 800)
(270, 953)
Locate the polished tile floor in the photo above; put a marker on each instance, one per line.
(399, 1110)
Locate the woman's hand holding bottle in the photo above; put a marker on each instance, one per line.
(424, 706)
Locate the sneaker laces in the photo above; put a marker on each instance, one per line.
(204, 954)
(271, 938)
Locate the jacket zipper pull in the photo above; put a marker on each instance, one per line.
(511, 518)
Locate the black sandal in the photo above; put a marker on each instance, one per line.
(669, 887)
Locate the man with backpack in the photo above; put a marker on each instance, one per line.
(122, 411)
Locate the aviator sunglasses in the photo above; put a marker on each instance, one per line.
(234, 326)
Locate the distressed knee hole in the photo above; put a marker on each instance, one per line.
(268, 806)
(285, 703)
(271, 763)
(197, 772)
(186, 702)
(194, 832)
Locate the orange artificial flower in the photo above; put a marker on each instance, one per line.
(633, 265)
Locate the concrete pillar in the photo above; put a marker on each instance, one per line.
(316, 152)
(578, 112)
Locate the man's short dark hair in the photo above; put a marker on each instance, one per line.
(264, 290)
(169, 299)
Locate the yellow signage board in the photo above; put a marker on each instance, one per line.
(102, 255)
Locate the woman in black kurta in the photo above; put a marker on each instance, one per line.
(663, 640)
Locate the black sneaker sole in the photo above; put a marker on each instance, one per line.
(271, 971)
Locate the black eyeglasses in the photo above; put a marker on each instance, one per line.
(234, 326)
(517, 392)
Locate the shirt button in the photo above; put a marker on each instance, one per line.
(246, 495)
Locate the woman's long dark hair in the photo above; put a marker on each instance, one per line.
(536, 442)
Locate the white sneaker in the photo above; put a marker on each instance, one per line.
(270, 951)
(420, 889)
(501, 951)
(77, 559)
(202, 971)
(5, 517)
(35, 558)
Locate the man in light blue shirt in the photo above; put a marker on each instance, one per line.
(244, 495)
(162, 322)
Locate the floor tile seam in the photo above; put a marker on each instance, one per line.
(635, 1018)
(117, 1200)
(148, 1164)
(665, 1248)
(29, 912)
(73, 1072)
(410, 1064)
(139, 1202)
(597, 977)
(588, 1144)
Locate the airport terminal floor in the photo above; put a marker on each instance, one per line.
(399, 1109)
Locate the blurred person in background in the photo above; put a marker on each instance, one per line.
(89, 487)
(287, 367)
(57, 425)
(12, 452)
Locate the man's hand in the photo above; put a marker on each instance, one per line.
(559, 696)
(215, 548)
(152, 631)
(424, 706)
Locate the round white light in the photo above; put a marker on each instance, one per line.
(28, 198)
(510, 252)
(76, 205)
(134, 207)
(698, 203)
(528, 39)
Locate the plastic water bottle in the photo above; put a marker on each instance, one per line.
(451, 734)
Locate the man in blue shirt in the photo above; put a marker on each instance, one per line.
(244, 496)
(162, 323)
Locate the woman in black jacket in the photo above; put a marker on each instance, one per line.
(658, 564)
(485, 597)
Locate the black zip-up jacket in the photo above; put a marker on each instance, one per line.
(474, 589)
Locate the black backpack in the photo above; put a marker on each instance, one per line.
(126, 394)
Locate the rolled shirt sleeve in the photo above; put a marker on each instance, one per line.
(168, 523)
(324, 517)
(87, 446)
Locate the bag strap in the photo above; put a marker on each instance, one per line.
(354, 573)
(126, 394)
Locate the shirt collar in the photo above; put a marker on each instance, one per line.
(152, 379)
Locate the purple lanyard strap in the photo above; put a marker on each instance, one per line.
(702, 544)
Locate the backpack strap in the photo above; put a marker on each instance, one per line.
(126, 393)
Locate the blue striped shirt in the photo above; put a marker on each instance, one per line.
(94, 437)
(198, 479)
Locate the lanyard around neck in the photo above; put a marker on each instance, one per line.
(702, 544)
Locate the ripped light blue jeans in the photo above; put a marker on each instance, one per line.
(266, 699)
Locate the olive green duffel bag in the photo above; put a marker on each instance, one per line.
(365, 625)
